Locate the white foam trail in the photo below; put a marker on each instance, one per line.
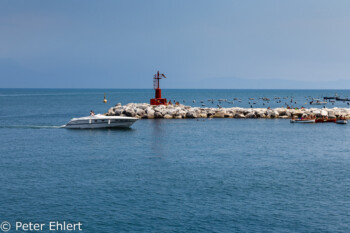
(44, 94)
(33, 126)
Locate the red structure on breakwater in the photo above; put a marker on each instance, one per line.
(158, 100)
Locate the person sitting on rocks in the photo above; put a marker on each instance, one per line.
(92, 113)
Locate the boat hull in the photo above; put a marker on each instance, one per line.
(325, 120)
(100, 122)
(341, 122)
(302, 121)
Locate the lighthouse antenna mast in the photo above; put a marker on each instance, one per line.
(156, 79)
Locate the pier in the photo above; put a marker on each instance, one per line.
(170, 111)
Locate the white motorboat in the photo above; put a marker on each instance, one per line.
(341, 121)
(318, 102)
(302, 121)
(100, 121)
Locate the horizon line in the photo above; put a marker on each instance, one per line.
(127, 88)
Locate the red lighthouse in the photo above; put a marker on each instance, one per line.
(158, 100)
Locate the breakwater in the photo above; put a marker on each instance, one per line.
(147, 111)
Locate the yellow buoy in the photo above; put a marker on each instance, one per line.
(104, 99)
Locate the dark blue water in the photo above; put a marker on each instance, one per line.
(188, 175)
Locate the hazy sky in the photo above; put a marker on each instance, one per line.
(197, 44)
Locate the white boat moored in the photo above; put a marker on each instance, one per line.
(302, 121)
(341, 122)
(100, 121)
(318, 102)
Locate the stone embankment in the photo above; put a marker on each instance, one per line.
(147, 111)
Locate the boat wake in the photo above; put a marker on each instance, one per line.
(32, 126)
(49, 94)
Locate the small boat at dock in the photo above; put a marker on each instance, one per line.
(342, 99)
(325, 120)
(331, 97)
(318, 102)
(341, 121)
(302, 121)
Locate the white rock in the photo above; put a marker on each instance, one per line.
(250, 115)
(168, 116)
(140, 112)
(219, 114)
(239, 115)
(191, 114)
(110, 111)
(158, 115)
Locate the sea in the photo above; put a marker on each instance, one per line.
(172, 175)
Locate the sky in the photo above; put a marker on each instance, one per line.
(196, 43)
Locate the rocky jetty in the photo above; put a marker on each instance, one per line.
(147, 111)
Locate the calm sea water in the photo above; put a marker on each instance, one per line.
(219, 175)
